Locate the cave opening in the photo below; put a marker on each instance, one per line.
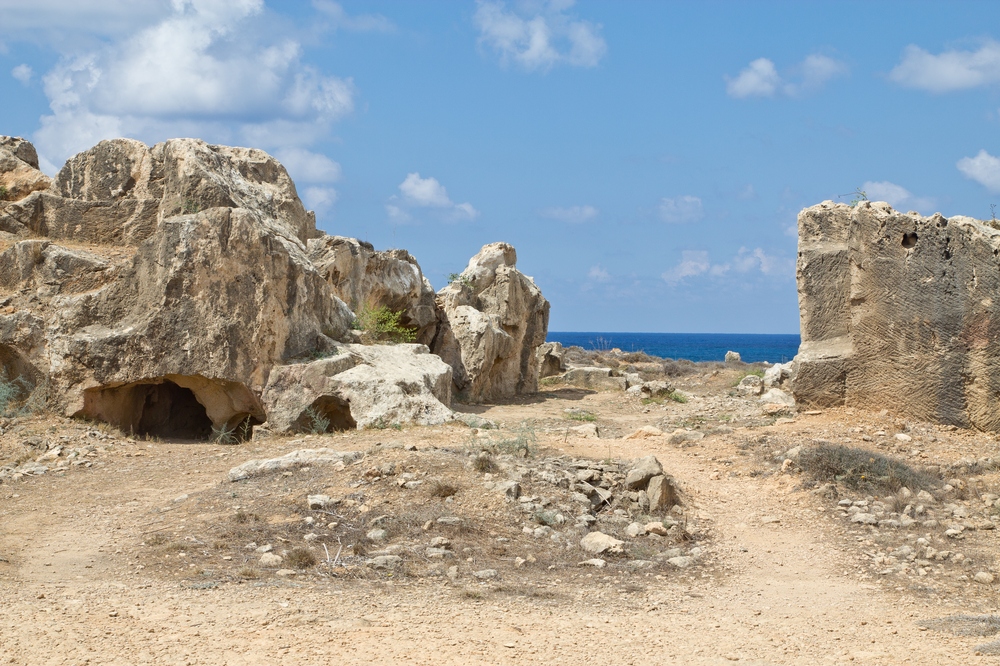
(169, 410)
(327, 413)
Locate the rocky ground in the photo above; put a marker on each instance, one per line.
(528, 532)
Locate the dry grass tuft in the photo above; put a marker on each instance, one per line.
(300, 558)
(860, 469)
(440, 488)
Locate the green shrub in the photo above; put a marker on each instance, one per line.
(3, 193)
(581, 415)
(677, 396)
(380, 324)
(318, 424)
(460, 278)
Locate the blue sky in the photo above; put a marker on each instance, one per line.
(647, 159)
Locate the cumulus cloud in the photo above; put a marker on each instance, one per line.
(23, 73)
(359, 23)
(571, 214)
(949, 70)
(983, 168)
(681, 209)
(541, 37)
(598, 274)
(896, 196)
(71, 22)
(418, 192)
(695, 263)
(761, 78)
(198, 71)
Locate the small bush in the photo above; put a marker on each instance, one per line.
(484, 463)
(460, 279)
(521, 442)
(860, 470)
(300, 558)
(677, 396)
(249, 573)
(4, 193)
(672, 368)
(442, 489)
(224, 434)
(242, 518)
(318, 424)
(380, 324)
(580, 415)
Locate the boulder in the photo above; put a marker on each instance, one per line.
(645, 432)
(299, 458)
(19, 173)
(551, 359)
(898, 311)
(641, 471)
(733, 357)
(594, 378)
(777, 397)
(596, 543)
(656, 389)
(751, 385)
(491, 321)
(777, 375)
(662, 494)
(357, 387)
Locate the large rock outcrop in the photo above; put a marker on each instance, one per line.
(181, 289)
(166, 278)
(901, 312)
(492, 319)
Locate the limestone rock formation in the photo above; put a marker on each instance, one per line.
(492, 319)
(551, 359)
(185, 279)
(179, 290)
(899, 311)
(363, 277)
(360, 386)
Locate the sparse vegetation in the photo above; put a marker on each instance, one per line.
(440, 488)
(318, 424)
(300, 558)
(379, 324)
(677, 396)
(484, 463)
(860, 469)
(460, 278)
(521, 442)
(581, 415)
(3, 193)
(224, 434)
(858, 195)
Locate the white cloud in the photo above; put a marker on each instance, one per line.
(540, 37)
(418, 192)
(696, 262)
(359, 23)
(761, 78)
(896, 196)
(681, 209)
(200, 70)
(318, 198)
(305, 166)
(983, 168)
(23, 73)
(598, 274)
(571, 214)
(748, 193)
(71, 22)
(948, 71)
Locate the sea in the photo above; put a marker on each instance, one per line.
(777, 348)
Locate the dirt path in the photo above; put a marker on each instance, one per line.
(781, 585)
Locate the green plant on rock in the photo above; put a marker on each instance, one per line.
(379, 324)
(13, 391)
(4, 193)
(859, 196)
(224, 434)
(460, 278)
(318, 424)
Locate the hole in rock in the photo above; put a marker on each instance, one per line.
(18, 378)
(909, 240)
(327, 413)
(169, 410)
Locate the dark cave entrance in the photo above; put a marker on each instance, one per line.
(169, 410)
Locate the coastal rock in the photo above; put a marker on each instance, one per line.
(733, 357)
(551, 359)
(751, 385)
(491, 321)
(896, 313)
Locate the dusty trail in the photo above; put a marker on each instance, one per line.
(780, 586)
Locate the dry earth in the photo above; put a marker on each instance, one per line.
(135, 551)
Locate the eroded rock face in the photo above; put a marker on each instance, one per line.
(360, 386)
(492, 320)
(364, 277)
(19, 174)
(188, 276)
(899, 311)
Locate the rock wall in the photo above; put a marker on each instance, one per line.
(901, 312)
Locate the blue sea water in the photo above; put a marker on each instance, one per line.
(692, 346)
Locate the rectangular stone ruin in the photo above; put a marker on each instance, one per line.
(899, 312)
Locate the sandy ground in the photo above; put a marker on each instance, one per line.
(786, 581)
